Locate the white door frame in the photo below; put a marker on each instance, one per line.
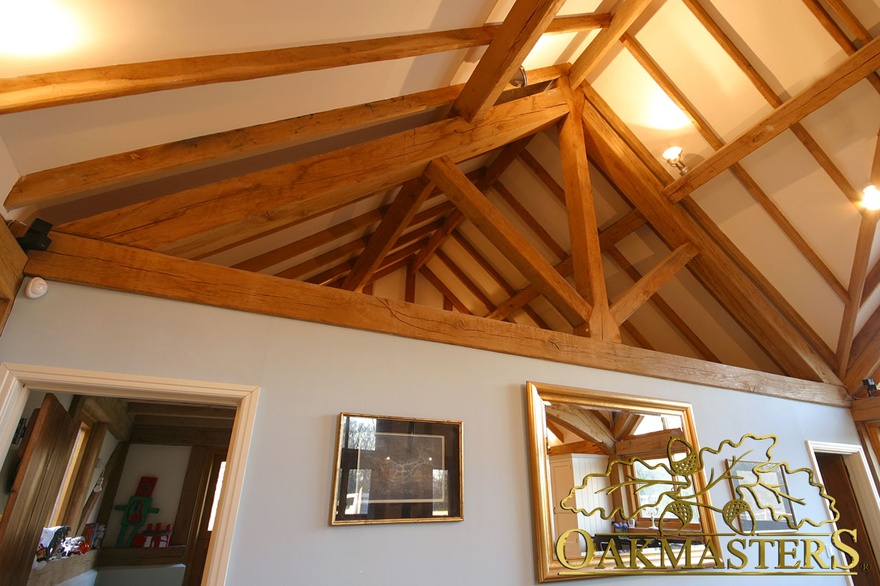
(16, 380)
(861, 480)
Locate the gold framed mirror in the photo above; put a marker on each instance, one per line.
(615, 484)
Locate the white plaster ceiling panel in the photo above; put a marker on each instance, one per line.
(846, 128)
(700, 68)
(820, 212)
(697, 307)
(772, 253)
(646, 109)
(787, 40)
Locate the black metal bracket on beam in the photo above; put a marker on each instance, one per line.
(36, 237)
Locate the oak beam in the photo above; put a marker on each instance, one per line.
(607, 238)
(533, 224)
(496, 276)
(447, 293)
(12, 263)
(848, 73)
(583, 423)
(99, 83)
(858, 274)
(702, 349)
(521, 29)
(865, 353)
(866, 409)
(583, 228)
(627, 13)
(106, 265)
(462, 277)
(634, 297)
(504, 236)
(412, 195)
(493, 172)
(211, 215)
(103, 174)
(312, 241)
(837, 32)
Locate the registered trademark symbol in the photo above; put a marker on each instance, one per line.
(865, 566)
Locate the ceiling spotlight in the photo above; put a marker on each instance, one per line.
(520, 79)
(871, 198)
(672, 155)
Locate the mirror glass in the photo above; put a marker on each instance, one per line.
(613, 474)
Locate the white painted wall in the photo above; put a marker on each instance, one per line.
(310, 372)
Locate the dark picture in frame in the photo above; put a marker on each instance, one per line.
(396, 470)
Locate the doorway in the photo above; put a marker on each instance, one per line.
(16, 381)
(843, 470)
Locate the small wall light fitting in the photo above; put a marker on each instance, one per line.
(673, 156)
(520, 79)
(871, 198)
(870, 386)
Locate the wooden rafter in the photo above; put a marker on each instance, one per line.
(583, 423)
(69, 87)
(583, 228)
(634, 297)
(607, 238)
(838, 34)
(533, 224)
(746, 180)
(521, 29)
(858, 273)
(412, 195)
(844, 76)
(865, 353)
(544, 176)
(497, 228)
(493, 172)
(186, 222)
(693, 339)
(352, 249)
(78, 180)
(475, 289)
(627, 13)
(312, 241)
(721, 276)
(446, 291)
(496, 276)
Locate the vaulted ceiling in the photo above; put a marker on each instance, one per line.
(382, 148)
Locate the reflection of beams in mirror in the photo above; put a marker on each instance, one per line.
(579, 435)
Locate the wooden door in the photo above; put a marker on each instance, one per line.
(35, 489)
(837, 483)
(200, 537)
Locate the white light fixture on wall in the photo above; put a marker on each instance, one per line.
(871, 198)
(673, 156)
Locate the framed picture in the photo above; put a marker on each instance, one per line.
(760, 487)
(396, 470)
